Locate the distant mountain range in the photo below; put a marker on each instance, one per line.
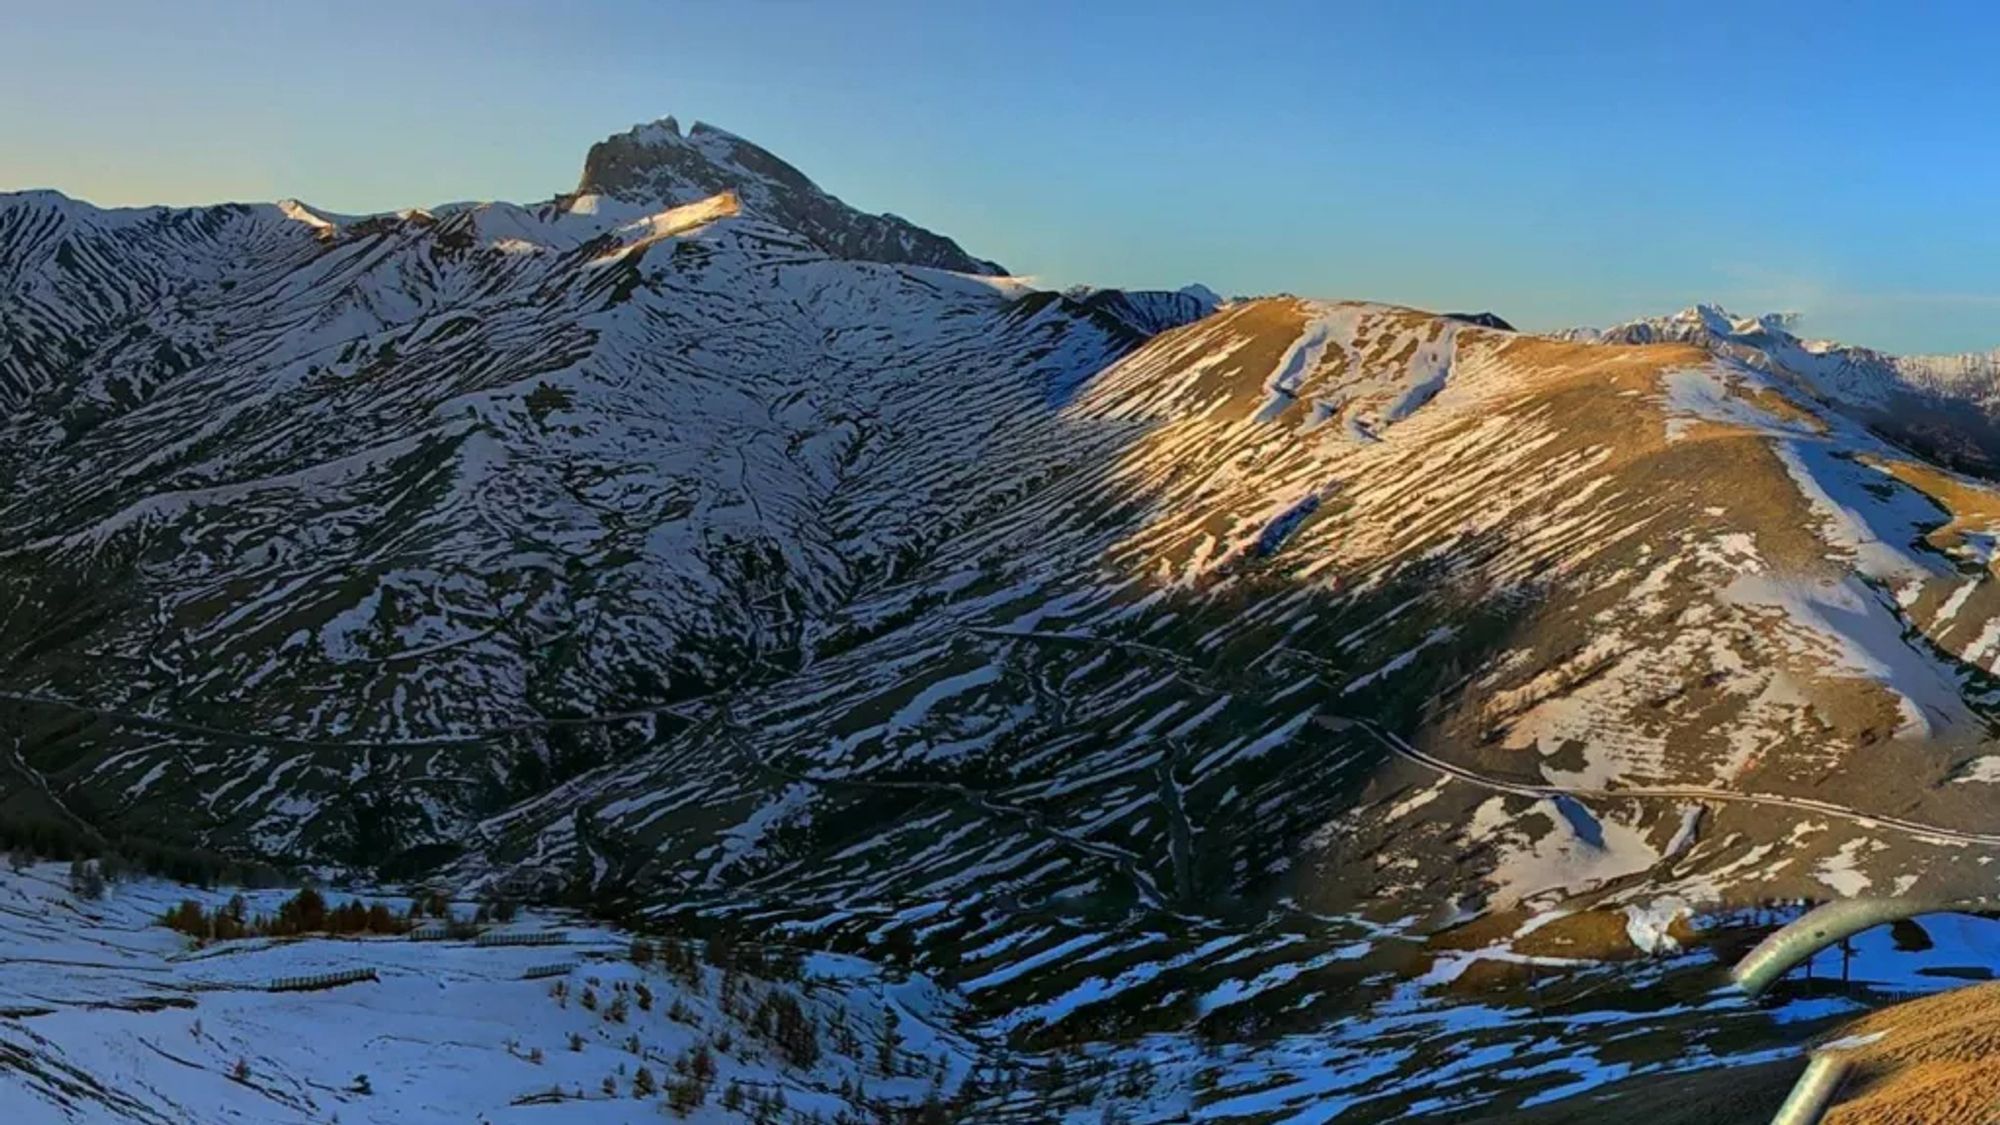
(694, 541)
(1921, 398)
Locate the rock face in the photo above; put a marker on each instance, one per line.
(656, 164)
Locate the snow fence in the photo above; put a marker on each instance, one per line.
(320, 980)
(522, 937)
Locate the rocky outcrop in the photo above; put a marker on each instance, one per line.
(658, 164)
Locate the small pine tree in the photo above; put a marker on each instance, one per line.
(241, 1071)
(685, 1095)
(644, 1085)
(303, 913)
(781, 1019)
(890, 1043)
(575, 1041)
(187, 918)
(361, 1085)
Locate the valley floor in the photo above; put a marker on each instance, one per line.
(107, 1016)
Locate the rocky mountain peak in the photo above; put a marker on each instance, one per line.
(657, 163)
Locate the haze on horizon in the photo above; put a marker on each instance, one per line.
(1558, 163)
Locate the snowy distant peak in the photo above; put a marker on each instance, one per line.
(53, 215)
(656, 164)
(1947, 406)
(47, 198)
(1770, 339)
(324, 226)
(1146, 312)
(1696, 324)
(1482, 320)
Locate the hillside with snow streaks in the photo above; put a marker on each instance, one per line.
(1140, 663)
(1344, 528)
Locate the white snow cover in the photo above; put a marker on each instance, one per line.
(107, 1017)
(1849, 629)
(1647, 925)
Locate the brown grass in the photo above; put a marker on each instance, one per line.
(1487, 929)
(1271, 325)
(1709, 465)
(1485, 975)
(1597, 935)
(1776, 404)
(1745, 1095)
(1973, 507)
(1733, 470)
(1938, 1061)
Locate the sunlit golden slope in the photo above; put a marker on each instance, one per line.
(1699, 579)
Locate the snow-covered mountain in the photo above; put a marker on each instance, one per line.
(1948, 406)
(1141, 662)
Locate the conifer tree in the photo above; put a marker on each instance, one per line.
(890, 1043)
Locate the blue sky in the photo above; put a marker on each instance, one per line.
(1559, 163)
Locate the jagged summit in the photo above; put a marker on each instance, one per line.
(1695, 324)
(656, 163)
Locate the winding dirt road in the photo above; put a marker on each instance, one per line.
(1403, 749)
